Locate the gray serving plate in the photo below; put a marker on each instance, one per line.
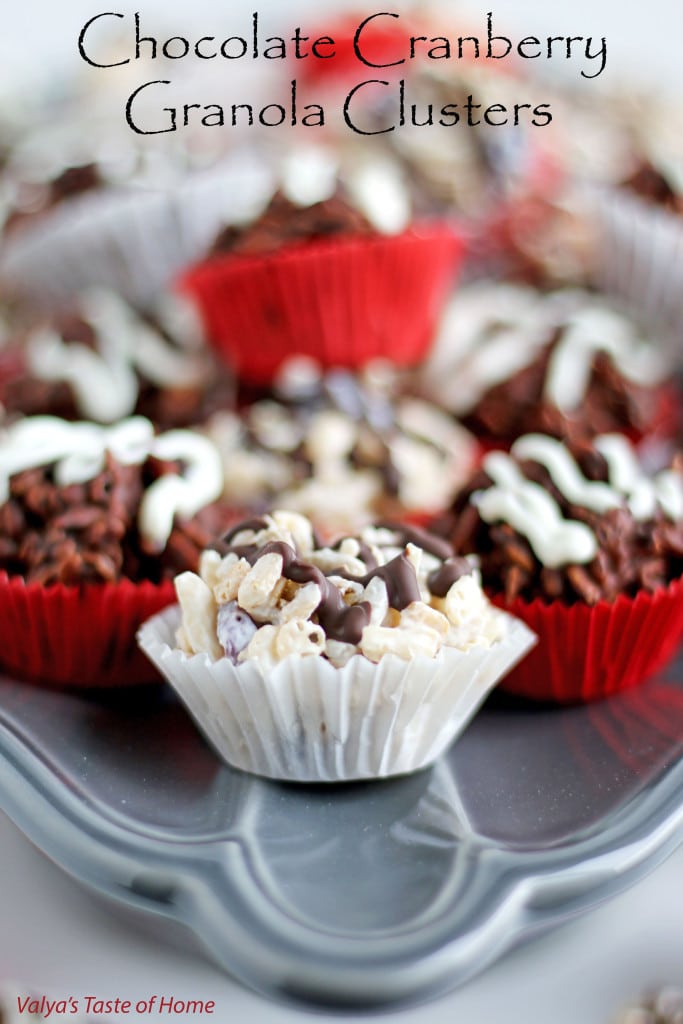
(359, 895)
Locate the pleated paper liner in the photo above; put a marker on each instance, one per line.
(77, 636)
(307, 721)
(342, 302)
(640, 258)
(588, 652)
(134, 240)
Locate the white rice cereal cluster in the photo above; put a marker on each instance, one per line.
(333, 467)
(244, 606)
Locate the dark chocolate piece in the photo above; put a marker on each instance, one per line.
(340, 621)
(442, 579)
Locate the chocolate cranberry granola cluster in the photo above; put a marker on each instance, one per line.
(576, 524)
(102, 361)
(88, 532)
(284, 223)
(651, 184)
(88, 515)
(512, 360)
(310, 662)
(343, 449)
(72, 181)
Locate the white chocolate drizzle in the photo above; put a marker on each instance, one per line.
(104, 382)
(309, 175)
(184, 495)
(77, 452)
(487, 335)
(587, 332)
(490, 333)
(380, 193)
(565, 473)
(643, 494)
(534, 513)
(104, 389)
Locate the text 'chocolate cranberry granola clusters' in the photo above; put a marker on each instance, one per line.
(580, 523)
(110, 508)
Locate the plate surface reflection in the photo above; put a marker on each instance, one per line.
(356, 895)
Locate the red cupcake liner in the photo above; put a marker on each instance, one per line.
(71, 636)
(587, 652)
(341, 302)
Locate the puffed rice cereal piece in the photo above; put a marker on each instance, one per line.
(260, 589)
(199, 615)
(464, 602)
(404, 643)
(302, 604)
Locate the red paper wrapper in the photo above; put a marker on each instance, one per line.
(585, 653)
(342, 302)
(84, 636)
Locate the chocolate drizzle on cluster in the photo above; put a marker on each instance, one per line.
(453, 566)
(341, 621)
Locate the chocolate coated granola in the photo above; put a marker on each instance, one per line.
(633, 555)
(84, 533)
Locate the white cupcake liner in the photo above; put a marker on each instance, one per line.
(133, 240)
(640, 259)
(307, 721)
